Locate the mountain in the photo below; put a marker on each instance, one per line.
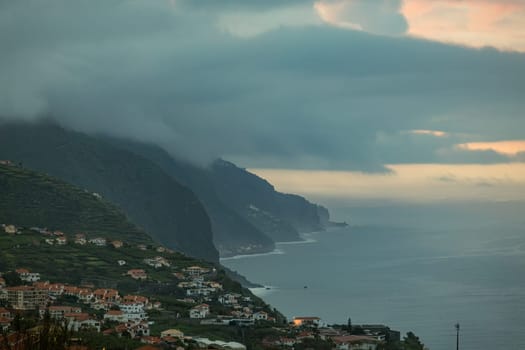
(244, 209)
(282, 216)
(38, 205)
(34, 199)
(152, 199)
(246, 214)
(233, 234)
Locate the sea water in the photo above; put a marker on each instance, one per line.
(413, 268)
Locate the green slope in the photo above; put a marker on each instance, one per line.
(34, 199)
(152, 199)
(29, 198)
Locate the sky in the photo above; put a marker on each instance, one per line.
(350, 92)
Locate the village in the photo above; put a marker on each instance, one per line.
(110, 312)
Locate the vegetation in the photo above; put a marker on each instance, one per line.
(152, 199)
(34, 199)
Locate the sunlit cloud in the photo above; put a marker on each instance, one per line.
(374, 16)
(475, 23)
(330, 13)
(436, 133)
(508, 148)
(408, 182)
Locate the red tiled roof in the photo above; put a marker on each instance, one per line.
(114, 312)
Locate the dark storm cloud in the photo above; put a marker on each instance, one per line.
(295, 96)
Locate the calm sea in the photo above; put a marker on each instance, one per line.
(420, 268)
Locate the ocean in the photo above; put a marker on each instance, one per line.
(420, 268)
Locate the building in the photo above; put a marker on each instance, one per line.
(98, 241)
(115, 315)
(260, 316)
(200, 311)
(26, 297)
(80, 238)
(27, 276)
(106, 295)
(137, 274)
(133, 310)
(58, 312)
(62, 240)
(174, 333)
(78, 321)
(355, 342)
(205, 343)
(117, 244)
(306, 321)
(10, 229)
(196, 270)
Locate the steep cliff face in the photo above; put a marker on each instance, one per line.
(232, 233)
(247, 214)
(283, 215)
(152, 199)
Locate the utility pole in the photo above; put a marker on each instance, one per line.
(457, 336)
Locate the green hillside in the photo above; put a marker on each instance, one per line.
(30, 199)
(34, 199)
(151, 199)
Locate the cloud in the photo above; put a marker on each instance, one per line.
(474, 23)
(374, 16)
(435, 133)
(509, 148)
(295, 94)
(413, 183)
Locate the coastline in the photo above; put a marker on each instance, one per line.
(305, 239)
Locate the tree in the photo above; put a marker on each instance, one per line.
(411, 342)
(349, 325)
(12, 279)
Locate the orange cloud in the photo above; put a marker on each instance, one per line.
(408, 182)
(508, 148)
(475, 23)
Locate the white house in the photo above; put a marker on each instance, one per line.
(98, 241)
(260, 316)
(27, 276)
(133, 310)
(200, 311)
(115, 315)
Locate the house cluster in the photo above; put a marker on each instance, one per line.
(201, 290)
(369, 337)
(197, 284)
(128, 312)
(122, 315)
(58, 237)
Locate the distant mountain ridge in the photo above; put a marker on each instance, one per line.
(246, 211)
(179, 203)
